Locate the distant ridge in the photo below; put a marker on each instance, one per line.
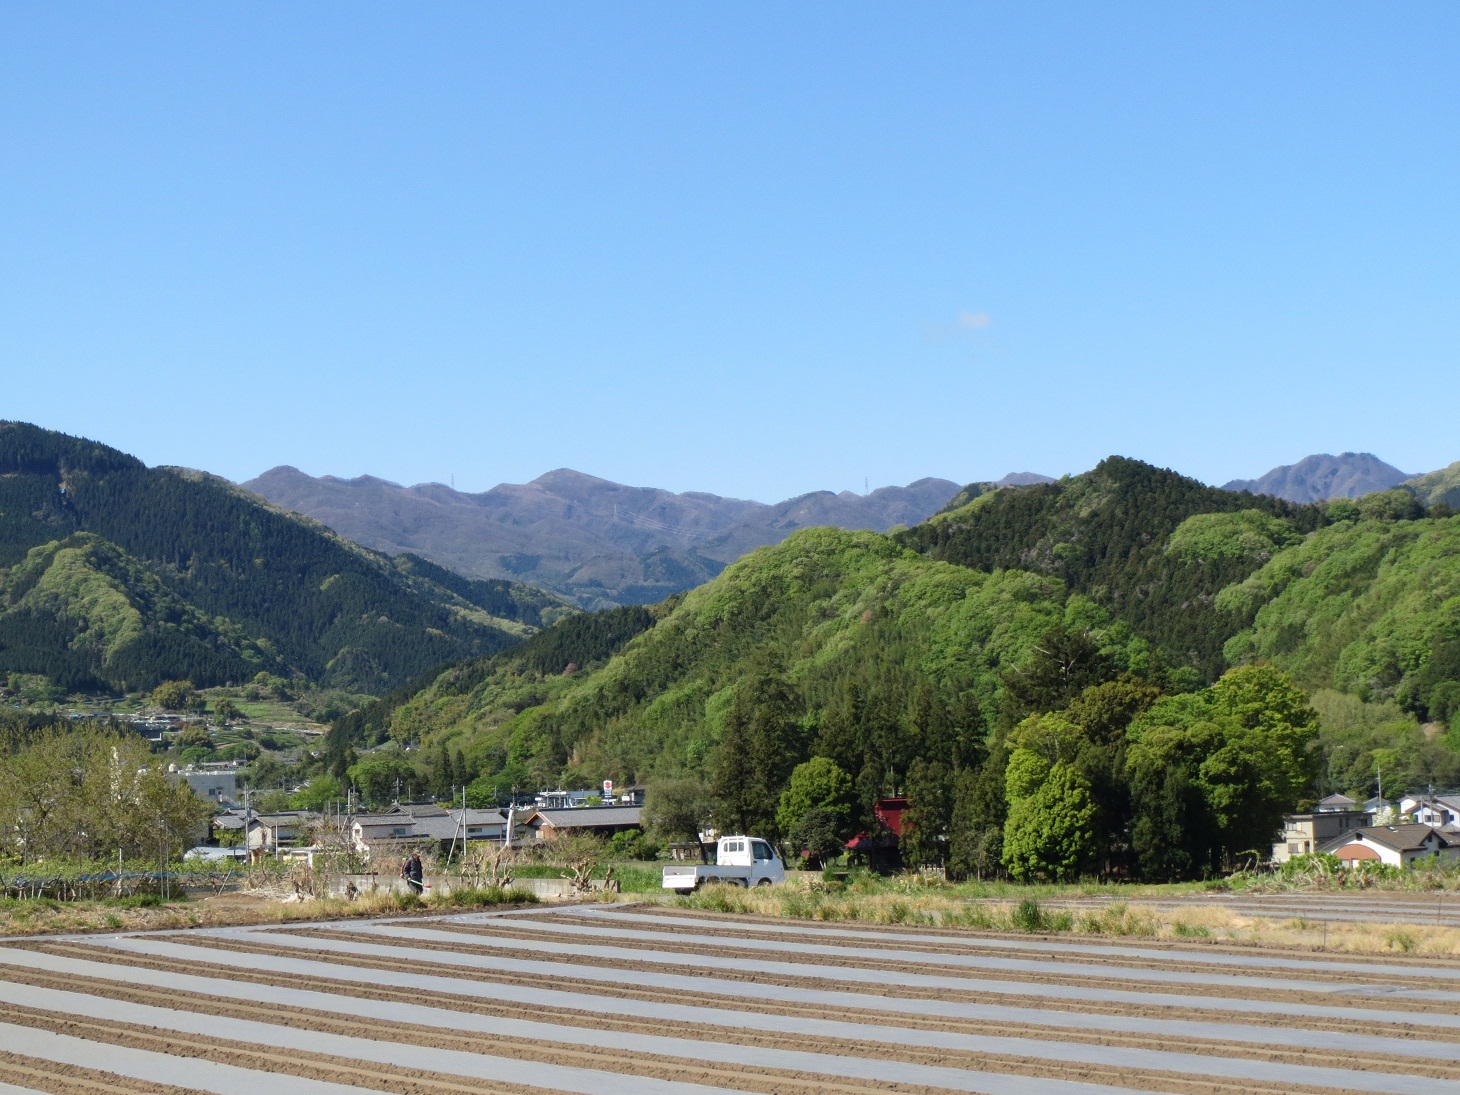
(1024, 479)
(1320, 477)
(594, 541)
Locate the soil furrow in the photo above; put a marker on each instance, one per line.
(1109, 983)
(971, 944)
(717, 1001)
(439, 1037)
(748, 1078)
(58, 1078)
(662, 941)
(1259, 950)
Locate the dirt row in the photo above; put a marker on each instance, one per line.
(812, 961)
(710, 999)
(966, 949)
(747, 1078)
(56, 1078)
(315, 1019)
(876, 1017)
(964, 935)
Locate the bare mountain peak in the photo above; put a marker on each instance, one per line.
(1322, 476)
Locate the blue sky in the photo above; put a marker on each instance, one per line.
(748, 249)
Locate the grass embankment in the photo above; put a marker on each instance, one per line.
(43, 916)
(1190, 912)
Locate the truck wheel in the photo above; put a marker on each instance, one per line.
(763, 882)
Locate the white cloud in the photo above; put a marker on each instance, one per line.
(974, 321)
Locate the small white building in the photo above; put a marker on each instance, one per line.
(1396, 845)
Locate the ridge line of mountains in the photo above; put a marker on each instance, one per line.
(597, 544)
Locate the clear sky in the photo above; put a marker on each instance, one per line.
(752, 249)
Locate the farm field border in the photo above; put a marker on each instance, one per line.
(618, 998)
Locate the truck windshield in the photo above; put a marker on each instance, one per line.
(761, 850)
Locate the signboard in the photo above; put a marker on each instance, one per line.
(607, 789)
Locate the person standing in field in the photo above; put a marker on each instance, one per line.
(412, 871)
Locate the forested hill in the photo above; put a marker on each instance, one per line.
(115, 575)
(909, 673)
(1111, 534)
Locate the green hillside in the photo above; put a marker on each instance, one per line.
(118, 576)
(1109, 534)
(1366, 607)
(1437, 488)
(869, 649)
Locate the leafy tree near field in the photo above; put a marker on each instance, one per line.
(817, 784)
(1212, 773)
(225, 711)
(377, 777)
(820, 834)
(321, 792)
(1049, 833)
(91, 793)
(172, 695)
(677, 809)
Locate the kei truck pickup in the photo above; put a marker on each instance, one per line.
(739, 860)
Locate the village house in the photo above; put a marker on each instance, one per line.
(423, 828)
(278, 832)
(1439, 811)
(1303, 834)
(601, 821)
(1396, 845)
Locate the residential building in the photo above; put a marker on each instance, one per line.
(600, 820)
(1396, 845)
(1303, 833)
(1335, 804)
(217, 786)
(1437, 811)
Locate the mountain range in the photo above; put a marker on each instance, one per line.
(114, 575)
(595, 542)
(1321, 476)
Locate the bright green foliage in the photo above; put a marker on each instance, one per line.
(832, 643)
(1247, 534)
(1371, 607)
(1050, 832)
(171, 695)
(321, 793)
(817, 784)
(677, 809)
(1212, 773)
(379, 777)
(1438, 488)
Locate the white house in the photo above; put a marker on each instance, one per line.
(1396, 845)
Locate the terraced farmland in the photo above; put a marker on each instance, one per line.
(650, 1000)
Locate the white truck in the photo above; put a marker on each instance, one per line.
(739, 860)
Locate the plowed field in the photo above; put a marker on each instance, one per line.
(645, 1000)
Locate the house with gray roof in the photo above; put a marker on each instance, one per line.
(1396, 845)
(601, 821)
